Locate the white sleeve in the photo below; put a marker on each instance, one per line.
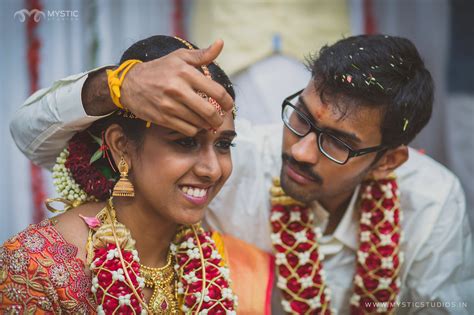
(442, 276)
(50, 117)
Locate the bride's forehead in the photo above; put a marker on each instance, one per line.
(227, 128)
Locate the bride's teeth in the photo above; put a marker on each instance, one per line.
(195, 192)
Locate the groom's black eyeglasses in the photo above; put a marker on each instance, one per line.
(331, 146)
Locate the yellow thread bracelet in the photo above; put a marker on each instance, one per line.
(115, 79)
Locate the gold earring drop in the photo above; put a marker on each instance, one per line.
(123, 187)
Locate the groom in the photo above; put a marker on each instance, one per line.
(369, 96)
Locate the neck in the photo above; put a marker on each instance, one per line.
(152, 233)
(336, 206)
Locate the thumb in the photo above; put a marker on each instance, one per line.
(201, 57)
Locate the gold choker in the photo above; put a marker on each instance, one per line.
(162, 280)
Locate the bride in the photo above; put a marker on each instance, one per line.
(130, 240)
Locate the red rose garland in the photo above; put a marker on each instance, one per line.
(378, 258)
(203, 277)
(299, 264)
(197, 258)
(109, 287)
(89, 178)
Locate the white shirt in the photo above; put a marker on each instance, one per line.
(437, 275)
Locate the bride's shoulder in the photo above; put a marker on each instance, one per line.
(63, 237)
(74, 218)
(49, 254)
(72, 227)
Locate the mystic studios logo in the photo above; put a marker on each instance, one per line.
(49, 15)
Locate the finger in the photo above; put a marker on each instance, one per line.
(211, 88)
(183, 112)
(181, 107)
(199, 57)
(202, 107)
(177, 124)
(181, 126)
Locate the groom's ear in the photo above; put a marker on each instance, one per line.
(389, 161)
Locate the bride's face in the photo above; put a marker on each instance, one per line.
(177, 176)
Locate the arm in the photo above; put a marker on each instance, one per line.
(443, 269)
(50, 117)
(47, 120)
(95, 94)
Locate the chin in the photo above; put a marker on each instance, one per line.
(295, 190)
(190, 216)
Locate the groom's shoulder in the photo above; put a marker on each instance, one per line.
(424, 181)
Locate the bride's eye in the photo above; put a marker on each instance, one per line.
(187, 142)
(224, 144)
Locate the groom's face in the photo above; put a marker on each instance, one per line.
(307, 174)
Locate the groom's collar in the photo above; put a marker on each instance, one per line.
(347, 230)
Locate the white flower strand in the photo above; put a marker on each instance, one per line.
(118, 275)
(190, 248)
(95, 285)
(65, 185)
(124, 300)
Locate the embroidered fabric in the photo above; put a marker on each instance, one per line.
(40, 274)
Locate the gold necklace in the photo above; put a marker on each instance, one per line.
(162, 280)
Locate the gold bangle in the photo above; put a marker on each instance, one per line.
(115, 79)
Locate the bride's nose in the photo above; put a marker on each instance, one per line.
(208, 165)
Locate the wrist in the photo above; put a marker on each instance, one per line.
(95, 94)
(127, 88)
(116, 78)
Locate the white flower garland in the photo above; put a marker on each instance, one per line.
(65, 185)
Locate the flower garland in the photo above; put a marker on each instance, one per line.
(204, 280)
(64, 182)
(75, 176)
(299, 264)
(203, 285)
(80, 163)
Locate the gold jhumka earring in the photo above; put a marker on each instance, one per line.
(123, 188)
